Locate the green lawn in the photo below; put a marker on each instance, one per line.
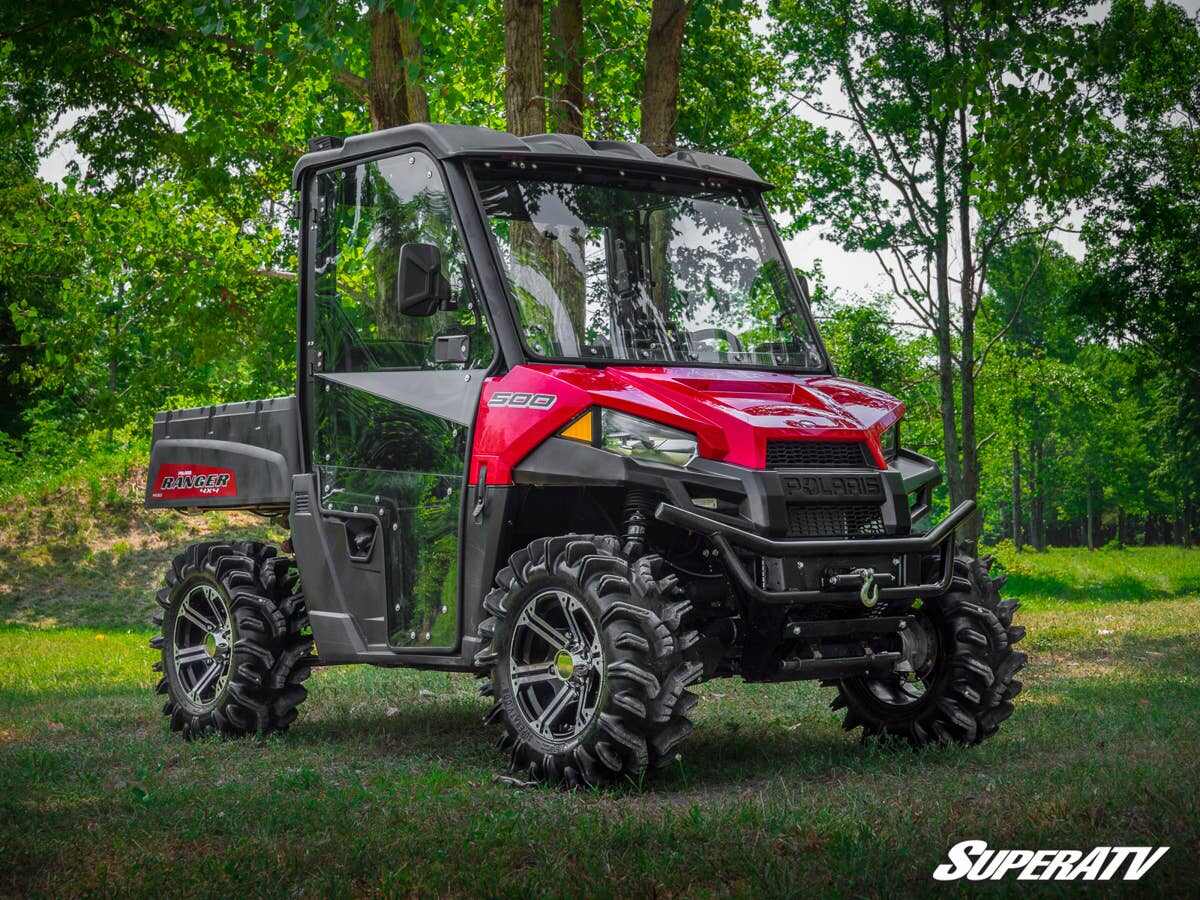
(385, 783)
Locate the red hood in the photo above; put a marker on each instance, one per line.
(734, 412)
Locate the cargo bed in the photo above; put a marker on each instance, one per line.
(226, 456)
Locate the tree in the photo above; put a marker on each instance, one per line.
(1143, 229)
(961, 126)
(660, 92)
(524, 79)
(567, 55)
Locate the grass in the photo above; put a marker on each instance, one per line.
(386, 784)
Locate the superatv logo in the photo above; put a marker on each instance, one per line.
(181, 481)
(975, 861)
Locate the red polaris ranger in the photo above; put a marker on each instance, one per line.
(562, 419)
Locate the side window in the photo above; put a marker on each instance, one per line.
(365, 214)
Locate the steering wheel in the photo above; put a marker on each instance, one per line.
(708, 334)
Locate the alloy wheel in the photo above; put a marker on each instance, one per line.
(556, 666)
(202, 645)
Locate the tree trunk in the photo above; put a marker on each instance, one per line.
(386, 93)
(414, 93)
(1091, 520)
(1016, 495)
(1121, 527)
(660, 95)
(524, 78)
(970, 450)
(941, 257)
(566, 28)
(1037, 522)
(946, 375)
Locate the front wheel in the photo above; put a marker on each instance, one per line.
(589, 661)
(968, 684)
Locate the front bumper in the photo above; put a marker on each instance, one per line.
(753, 519)
(725, 537)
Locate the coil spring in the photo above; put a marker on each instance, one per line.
(636, 513)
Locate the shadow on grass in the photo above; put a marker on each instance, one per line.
(1168, 659)
(73, 585)
(1115, 589)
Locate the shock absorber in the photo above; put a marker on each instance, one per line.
(639, 506)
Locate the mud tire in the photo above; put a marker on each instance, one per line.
(271, 647)
(649, 658)
(975, 684)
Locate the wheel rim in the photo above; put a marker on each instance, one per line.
(202, 645)
(895, 691)
(556, 666)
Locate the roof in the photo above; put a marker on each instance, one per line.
(449, 141)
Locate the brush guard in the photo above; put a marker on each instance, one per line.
(858, 586)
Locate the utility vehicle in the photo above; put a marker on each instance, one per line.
(563, 420)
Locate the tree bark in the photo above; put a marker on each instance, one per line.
(1037, 535)
(660, 94)
(945, 349)
(386, 91)
(566, 28)
(970, 450)
(414, 93)
(1091, 519)
(1016, 495)
(524, 75)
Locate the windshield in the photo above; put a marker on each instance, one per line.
(644, 270)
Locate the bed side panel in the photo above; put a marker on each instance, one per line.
(230, 456)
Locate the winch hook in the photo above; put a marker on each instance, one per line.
(869, 592)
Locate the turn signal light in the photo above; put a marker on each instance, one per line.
(582, 429)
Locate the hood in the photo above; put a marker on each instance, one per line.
(734, 412)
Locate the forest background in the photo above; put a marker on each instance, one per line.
(1025, 176)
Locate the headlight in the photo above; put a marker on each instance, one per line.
(645, 440)
(889, 442)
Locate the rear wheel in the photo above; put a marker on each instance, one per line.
(588, 660)
(233, 640)
(967, 685)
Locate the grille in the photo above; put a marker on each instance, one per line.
(816, 455)
(848, 520)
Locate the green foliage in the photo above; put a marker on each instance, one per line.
(937, 98)
(1142, 271)
(158, 273)
(157, 293)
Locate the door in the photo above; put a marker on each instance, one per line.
(388, 422)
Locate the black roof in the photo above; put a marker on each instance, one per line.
(447, 141)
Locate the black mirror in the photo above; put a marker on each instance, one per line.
(421, 288)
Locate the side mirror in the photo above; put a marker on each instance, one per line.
(421, 288)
